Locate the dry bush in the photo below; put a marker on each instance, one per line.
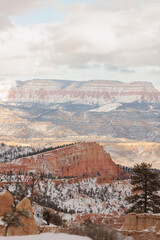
(53, 218)
(95, 231)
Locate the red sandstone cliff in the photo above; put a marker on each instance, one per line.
(79, 160)
(142, 226)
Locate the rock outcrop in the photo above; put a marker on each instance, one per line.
(142, 226)
(6, 202)
(79, 160)
(30, 227)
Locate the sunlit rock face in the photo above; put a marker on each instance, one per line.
(79, 160)
(29, 227)
(129, 153)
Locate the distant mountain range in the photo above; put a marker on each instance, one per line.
(46, 111)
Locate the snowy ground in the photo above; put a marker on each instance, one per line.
(87, 196)
(50, 236)
(83, 197)
(46, 236)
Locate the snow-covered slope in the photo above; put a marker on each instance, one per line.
(84, 197)
(88, 197)
(9, 153)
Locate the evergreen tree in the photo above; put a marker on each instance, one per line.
(13, 218)
(32, 186)
(146, 183)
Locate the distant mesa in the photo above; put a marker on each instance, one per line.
(59, 91)
(65, 111)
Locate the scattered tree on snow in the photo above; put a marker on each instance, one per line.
(146, 184)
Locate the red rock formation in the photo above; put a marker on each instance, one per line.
(142, 226)
(79, 160)
(6, 202)
(30, 226)
(111, 221)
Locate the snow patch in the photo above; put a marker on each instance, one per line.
(107, 107)
(46, 236)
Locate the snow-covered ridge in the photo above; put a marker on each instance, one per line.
(9, 153)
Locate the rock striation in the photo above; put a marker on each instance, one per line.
(78, 160)
(87, 91)
(142, 226)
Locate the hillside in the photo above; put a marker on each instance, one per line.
(56, 110)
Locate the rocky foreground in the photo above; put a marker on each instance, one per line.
(136, 226)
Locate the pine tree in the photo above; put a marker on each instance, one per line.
(12, 218)
(146, 183)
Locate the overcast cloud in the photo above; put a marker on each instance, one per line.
(114, 39)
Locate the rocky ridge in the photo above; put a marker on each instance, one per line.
(78, 160)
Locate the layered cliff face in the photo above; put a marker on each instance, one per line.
(142, 226)
(79, 160)
(95, 92)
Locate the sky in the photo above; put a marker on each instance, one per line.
(80, 40)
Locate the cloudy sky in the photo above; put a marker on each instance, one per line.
(80, 39)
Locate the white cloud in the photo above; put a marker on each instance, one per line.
(108, 39)
(19, 7)
(4, 22)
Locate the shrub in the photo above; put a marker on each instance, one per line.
(53, 218)
(95, 231)
(13, 218)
